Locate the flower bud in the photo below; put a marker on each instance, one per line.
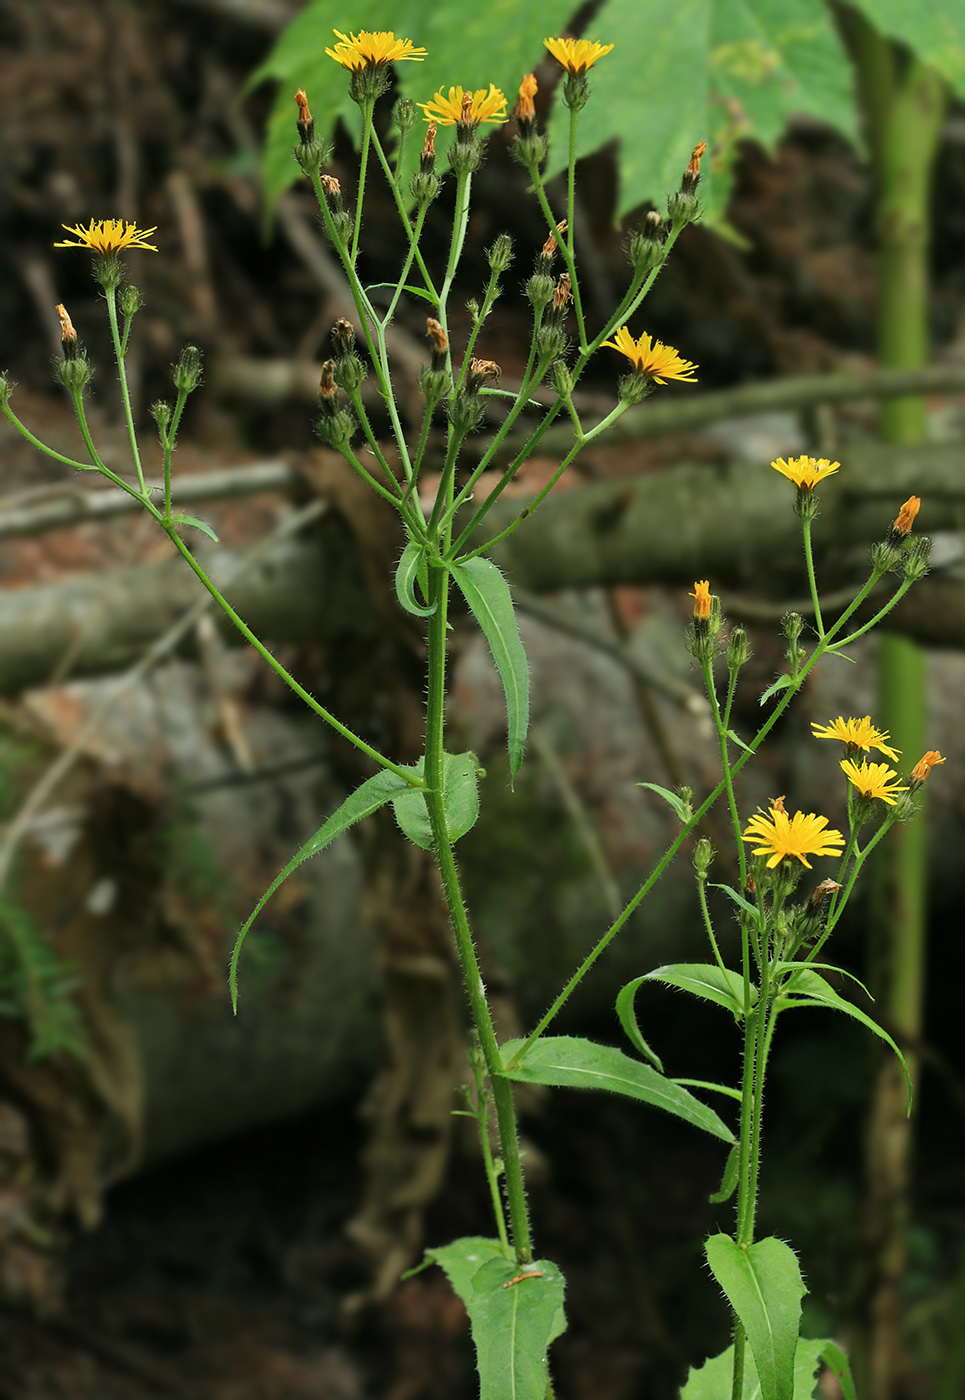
(906, 518)
(76, 372)
(187, 372)
(540, 290)
(404, 114)
(792, 625)
(703, 856)
(645, 250)
(465, 413)
(525, 112)
(738, 649)
(7, 387)
(917, 559)
(130, 300)
(162, 413)
(530, 150)
(550, 341)
(561, 378)
(305, 122)
(435, 384)
(500, 255)
(424, 187)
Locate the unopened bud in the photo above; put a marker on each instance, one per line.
(335, 427)
(404, 114)
(906, 518)
(550, 341)
(703, 856)
(561, 378)
(424, 187)
(738, 649)
(187, 372)
(540, 290)
(917, 559)
(525, 109)
(645, 250)
(162, 414)
(130, 300)
(792, 625)
(500, 255)
(6, 389)
(465, 413)
(343, 336)
(304, 122)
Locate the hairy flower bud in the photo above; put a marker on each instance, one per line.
(7, 387)
(187, 372)
(645, 249)
(404, 114)
(162, 413)
(130, 300)
(539, 289)
(703, 856)
(738, 649)
(561, 378)
(500, 255)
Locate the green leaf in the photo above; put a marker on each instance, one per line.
(712, 1381)
(783, 966)
(736, 739)
(806, 988)
(740, 901)
(460, 796)
(365, 800)
(935, 32)
(671, 797)
(728, 1184)
(513, 1324)
(491, 604)
(567, 1062)
(412, 569)
(628, 1020)
(763, 1284)
(782, 683)
(705, 980)
(462, 1259)
(206, 529)
(836, 1361)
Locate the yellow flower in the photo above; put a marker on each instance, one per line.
(873, 780)
(108, 236)
(780, 836)
(372, 49)
(525, 107)
(460, 106)
(701, 597)
(925, 764)
(576, 55)
(805, 472)
(857, 734)
(651, 357)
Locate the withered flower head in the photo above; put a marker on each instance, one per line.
(343, 333)
(67, 332)
(429, 148)
(552, 243)
(693, 169)
(326, 384)
(436, 335)
(825, 888)
(563, 294)
(482, 370)
(304, 115)
(331, 186)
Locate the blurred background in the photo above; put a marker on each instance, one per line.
(214, 1207)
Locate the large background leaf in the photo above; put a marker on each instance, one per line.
(936, 31)
(715, 70)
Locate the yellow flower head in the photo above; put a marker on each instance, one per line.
(372, 49)
(701, 597)
(779, 836)
(925, 764)
(873, 780)
(107, 236)
(460, 106)
(805, 472)
(906, 516)
(857, 734)
(576, 55)
(652, 358)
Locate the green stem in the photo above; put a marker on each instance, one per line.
(403, 276)
(570, 225)
(110, 295)
(366, 108)
(434, 772)
(812, 579)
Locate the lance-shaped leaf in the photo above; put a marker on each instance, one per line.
(705, 980)
(412, 570)
(491, 604)
(627, 1012)
(763, 1285)
(807, 988)
(460, 796)
(513, 1321)
(365, 800)
(568, 1062)
(712, 1381)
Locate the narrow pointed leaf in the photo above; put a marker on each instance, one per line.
(567, 1062)
(201, 525)
(672, 798)
(491, 604)
(626, 1011)
(728, 1183)
(823, 967)
(705, 980)
(807, 988)
(836, 1360)
(739, 900)
(513, 1325)
(763, 1284)
(365, 800)
(460, 795)
(780, 684)
(412, 569)
(736, 739)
